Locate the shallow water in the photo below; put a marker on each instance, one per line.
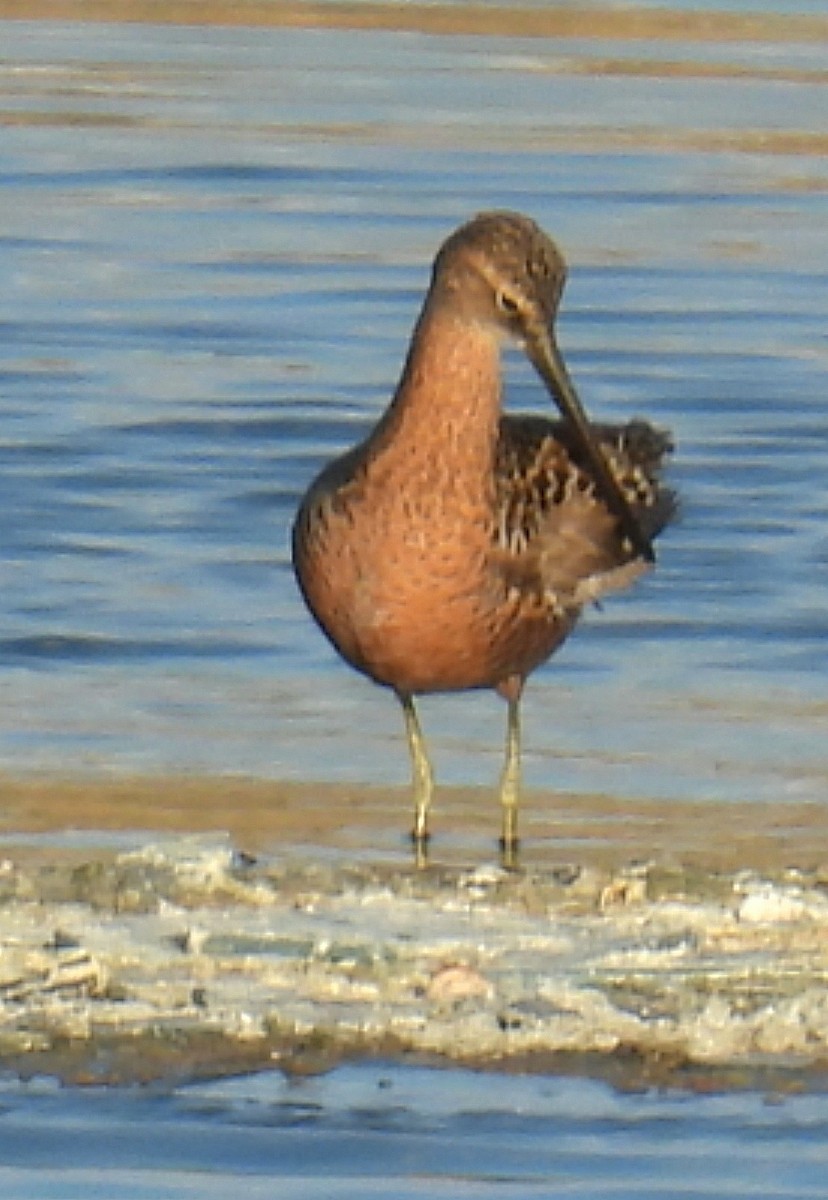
(380, 1131)
(215, 242)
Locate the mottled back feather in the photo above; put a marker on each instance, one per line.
(554, 529)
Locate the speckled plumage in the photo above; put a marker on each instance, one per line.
(456, 546)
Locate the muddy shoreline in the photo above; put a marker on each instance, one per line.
(268, 816)
(640, 943)
(440, 19)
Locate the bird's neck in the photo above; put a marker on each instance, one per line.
(448, 399)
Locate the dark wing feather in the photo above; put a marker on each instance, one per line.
(554, 530)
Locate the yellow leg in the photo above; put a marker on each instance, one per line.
(510, 787)
(422, 777)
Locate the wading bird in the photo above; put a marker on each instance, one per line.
(455, 547)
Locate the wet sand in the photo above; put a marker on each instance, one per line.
(631, 949)
(265, 816)
(153, 927)
(443, 19)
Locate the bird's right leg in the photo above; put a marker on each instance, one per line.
(422, 778)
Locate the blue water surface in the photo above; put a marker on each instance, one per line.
(214, 243)
(394, 1134)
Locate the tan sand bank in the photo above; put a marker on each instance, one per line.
(645, 942)
(506, 21)
(264, 815)
(180, 957)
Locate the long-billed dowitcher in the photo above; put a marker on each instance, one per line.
(455, 547)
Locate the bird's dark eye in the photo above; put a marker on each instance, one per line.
(507, 304)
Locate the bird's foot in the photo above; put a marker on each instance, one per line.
(420, 840)
(509, 854)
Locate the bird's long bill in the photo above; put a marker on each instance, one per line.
(549, 363)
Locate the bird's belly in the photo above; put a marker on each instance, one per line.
(435, 622)
(456, 648)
